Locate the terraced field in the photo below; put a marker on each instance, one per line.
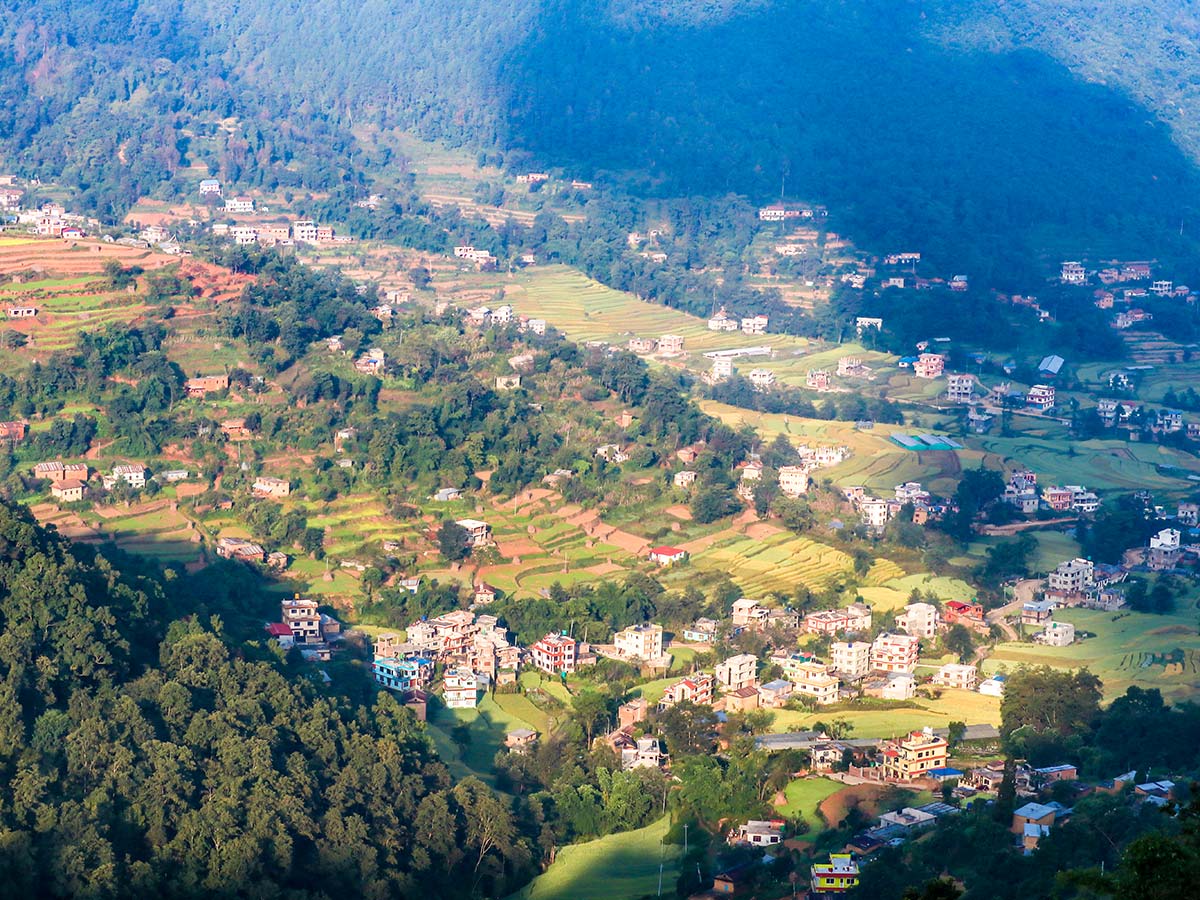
(777, 563)
(1149, 651)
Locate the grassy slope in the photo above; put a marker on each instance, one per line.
(611, 868)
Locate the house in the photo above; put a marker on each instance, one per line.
(1072, 577)
(1050, 774)
(817, 380)
(402, 674)
(21, 312)
(371, 362)
(642, 345)
(612, 453)
(1037, 612)
(520, 740)
(929, 365)
(629, 714)
(702, 631)
(722, 369)
(132, 475)
(670, 344)
(210, 187)
(508, 382)
(969, 614)
(684, 479)
(484, 594)
(722, 322)
(668, 556)
(479, 533)
(70, 490)
(908, 819)
(269, 486)
(1034, 814)
(460, 688)
(992, 687)
(761, 379)
(911, 757)
(240, 549)
(850, 658)
(747, 613)
(207, 384)
(1057, 498)
(644, 754)
(895, 653)
(13, 431)
(774, 694)
(837, 876)
(758, 833)
(919, 619)
(755, 325)
(853, 618)
(239, 205)
(1186, 513)
(793, 480)
(876, 513)
(695, 689)
(890, 686)
(737, 672)
(1040, 397)
(744, 699)
(1056, 634)
(954, 675)
(814, 681)
(960, 388)
(644, 642)
(1165, 550)
(555, 654)
(445, 495)
(1073, 273)
(302, 617)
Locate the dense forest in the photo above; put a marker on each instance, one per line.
(984, 155)
(146, 759)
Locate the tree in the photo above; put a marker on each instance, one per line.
(959, 641)
(1042, 699)
(454, 542)
(687, 728)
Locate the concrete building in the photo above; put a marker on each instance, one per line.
(644, 642)
(920, 620)
(814, 681)
(737, 672)
(793, 480)
(955, 675)
(895, 653)
(850, 658)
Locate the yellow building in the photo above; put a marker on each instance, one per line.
(911, 757)
(838, 875)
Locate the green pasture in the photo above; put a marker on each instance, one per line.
(616, 867)
(804, 797)
(952, 706)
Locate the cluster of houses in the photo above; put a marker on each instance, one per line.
(69, 481)
(722, 321)
(245, 550)
(876, 512)
(665, 345)
(482, 259)
(1024, 494)
(793, 479)
(276, 234)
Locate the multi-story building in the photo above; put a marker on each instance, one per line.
(837, 876)
(1072, 577)
(911, 757)
(919, 619)
(814, 681)
(955, 675)
(1073, 273)
(301, 616)
(1056, 634)
(695, 689)
(875, 512)
(1057, 498)
(132, 475)
(747, 613)
(929, 365)
(1037, 612)
(555, 653)
(460, 689)
(402, 674)
(1040, 397)
(895, 653)
(644, 642)
(670, 343)
(853, 618)
(1164, 550)
(960, 388)
(793, 480)
(479, 533)
(850, 658)
(761, 379)
(702, 631)
(755, 325)
(737, 672)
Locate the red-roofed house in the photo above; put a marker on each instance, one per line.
(668, 556)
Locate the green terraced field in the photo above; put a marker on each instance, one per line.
(804, 796)
(1129, 649)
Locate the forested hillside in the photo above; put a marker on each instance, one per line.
(144, 760)
(983, 135)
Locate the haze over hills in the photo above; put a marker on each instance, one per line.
(970, 131)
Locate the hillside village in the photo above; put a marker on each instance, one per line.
(878, 653)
